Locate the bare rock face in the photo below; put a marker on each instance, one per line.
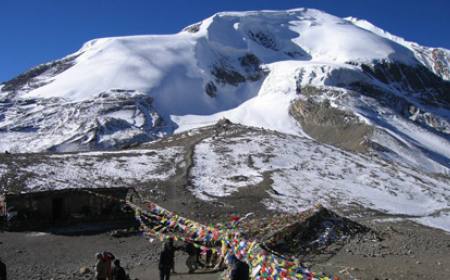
(223, 122)
(35, 77)
(211, 89)
(440, 63)
(265, 39)
(246, 68)
(117, 118)
(330, 125)
(226, 74)
(194, 28)
(412, 80)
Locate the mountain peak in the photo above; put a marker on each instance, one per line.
(287, 71)
(323, 37)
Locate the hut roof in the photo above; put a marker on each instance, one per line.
(28, 173)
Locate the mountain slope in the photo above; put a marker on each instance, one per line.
(243, 168)
(435, 59)
(269, 69)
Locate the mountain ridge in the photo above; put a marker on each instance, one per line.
(249, 67)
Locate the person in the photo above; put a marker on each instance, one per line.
(240, 270)
(198, 253)
(100, 267)
(171, 247)
(166, 262)
(214, 260)
(220, 263)
(118, 273)
(2, 270)
(209, 257)
(108, 258)
(191, 261)
(2, 214)
(212, 256)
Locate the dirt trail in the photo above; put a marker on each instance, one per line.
(175, 192)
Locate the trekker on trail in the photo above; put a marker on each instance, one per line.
(209, 258)
(198, 253)
(118, 273)
(100, 267)
(239, 269)
(166, 262)
(108, 258)
(220, 263)
(191, 261)
(171, 247)
(2, 270)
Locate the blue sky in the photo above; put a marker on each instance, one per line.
(37, 31)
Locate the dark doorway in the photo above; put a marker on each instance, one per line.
(58, 209)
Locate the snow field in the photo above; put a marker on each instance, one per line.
(305, 173)
(102, 169)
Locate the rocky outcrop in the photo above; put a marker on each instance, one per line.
(252, 67)
(264, 39)
(317, 229)
(194, 28)
(211, 89)
(226, 74)
(418, 81)
(249, 69)
(331, 125)
(412, 92)
(31, 79)
(115, 119)
(441, 63)
(404, 106)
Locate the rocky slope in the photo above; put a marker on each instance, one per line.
(246, 169)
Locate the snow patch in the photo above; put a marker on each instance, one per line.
(98, 169)
(305, 173)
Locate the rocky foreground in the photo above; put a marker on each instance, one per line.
(393, 248)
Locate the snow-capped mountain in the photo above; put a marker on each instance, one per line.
(343, 82)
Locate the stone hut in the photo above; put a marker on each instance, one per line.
(31, 210)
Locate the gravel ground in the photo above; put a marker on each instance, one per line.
(35, 255)
(405, 251)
